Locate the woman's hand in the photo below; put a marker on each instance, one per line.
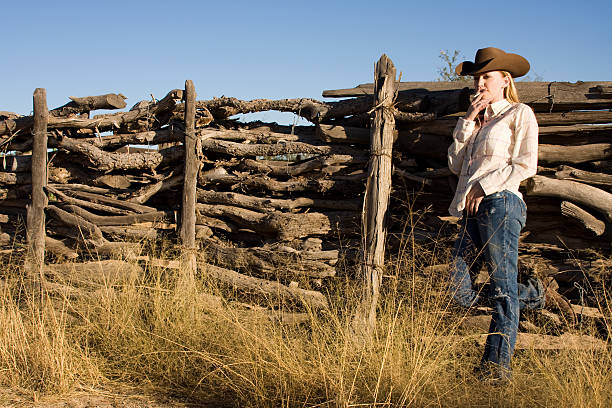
(478, 104)
(473, 199)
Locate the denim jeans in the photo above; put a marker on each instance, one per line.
(491, 238)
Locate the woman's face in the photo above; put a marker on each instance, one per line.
(491, 85)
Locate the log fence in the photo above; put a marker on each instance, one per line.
(261, 198)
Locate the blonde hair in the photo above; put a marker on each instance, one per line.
(510, 92)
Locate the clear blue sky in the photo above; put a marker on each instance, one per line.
(279, 49)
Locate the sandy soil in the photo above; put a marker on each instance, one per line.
(121, 398)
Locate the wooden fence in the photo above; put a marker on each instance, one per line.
(277, 207)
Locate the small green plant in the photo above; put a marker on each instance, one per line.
(449, 62)
(533, 77)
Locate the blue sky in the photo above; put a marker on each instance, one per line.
(279, 49)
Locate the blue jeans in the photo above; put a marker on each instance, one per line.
(491, 238)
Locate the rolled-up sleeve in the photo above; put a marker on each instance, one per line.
(461, 135)
(524, 161)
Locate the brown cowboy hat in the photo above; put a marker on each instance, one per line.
(494, 59)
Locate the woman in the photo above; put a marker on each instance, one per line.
(495, 147)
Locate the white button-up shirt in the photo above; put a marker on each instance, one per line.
(499, 154)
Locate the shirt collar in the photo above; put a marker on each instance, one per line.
(499, 106)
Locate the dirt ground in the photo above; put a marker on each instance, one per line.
(119, 398)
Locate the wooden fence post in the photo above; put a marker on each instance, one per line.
(376, 199)
(35, 232)
(192, 165)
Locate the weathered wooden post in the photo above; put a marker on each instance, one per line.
(35, 233)
(376, 199)
(192, 165)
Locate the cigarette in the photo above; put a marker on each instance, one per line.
(472, 97)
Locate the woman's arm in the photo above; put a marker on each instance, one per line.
(456, 152)
(463, 131)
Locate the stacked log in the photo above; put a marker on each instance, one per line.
(269, 198)
(281, 202)
(569, 201)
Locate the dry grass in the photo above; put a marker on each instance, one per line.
(154, 333)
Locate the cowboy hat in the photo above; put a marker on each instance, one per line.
(494, 59)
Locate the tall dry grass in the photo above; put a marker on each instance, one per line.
(153, 332)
